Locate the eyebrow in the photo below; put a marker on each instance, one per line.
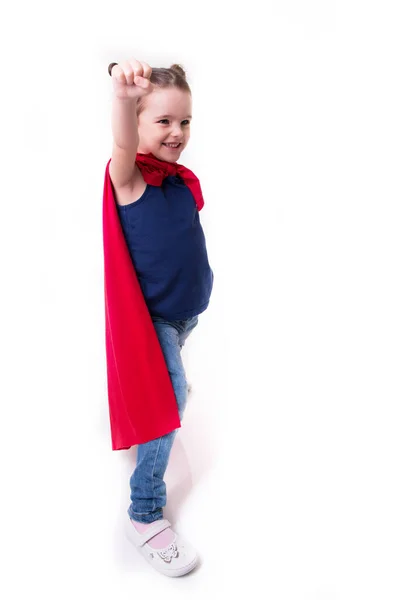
(169, 116)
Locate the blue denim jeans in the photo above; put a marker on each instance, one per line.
(148, 490)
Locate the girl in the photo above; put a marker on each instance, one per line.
(151, 116)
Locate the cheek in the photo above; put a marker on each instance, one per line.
(156, 134)
(147, 132)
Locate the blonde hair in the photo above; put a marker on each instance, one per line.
(174, 76)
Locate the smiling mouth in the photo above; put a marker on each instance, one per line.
(173, 146)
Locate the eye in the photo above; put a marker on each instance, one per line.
(185, 122)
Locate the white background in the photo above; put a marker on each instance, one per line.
(285, 474)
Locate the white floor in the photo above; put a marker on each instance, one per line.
(284, 474)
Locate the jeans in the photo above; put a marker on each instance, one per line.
(148, 490)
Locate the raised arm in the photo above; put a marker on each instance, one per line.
(131, 81)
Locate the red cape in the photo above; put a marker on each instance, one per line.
(142, 403)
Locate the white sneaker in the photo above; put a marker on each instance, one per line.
(176, 559)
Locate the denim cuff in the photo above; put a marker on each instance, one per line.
(145, 517)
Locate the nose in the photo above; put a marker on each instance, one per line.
(177, 132)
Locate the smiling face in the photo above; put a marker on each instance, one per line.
(165, 120)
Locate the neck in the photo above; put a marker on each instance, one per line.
(150, 154)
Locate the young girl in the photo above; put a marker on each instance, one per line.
(151, 116)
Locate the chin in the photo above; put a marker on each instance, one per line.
(169, 158)
(166, 156)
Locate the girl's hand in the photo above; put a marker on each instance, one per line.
(131, 79)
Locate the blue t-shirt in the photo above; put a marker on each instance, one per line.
(168, 249)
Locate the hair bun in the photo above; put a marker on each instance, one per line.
(178, 69)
